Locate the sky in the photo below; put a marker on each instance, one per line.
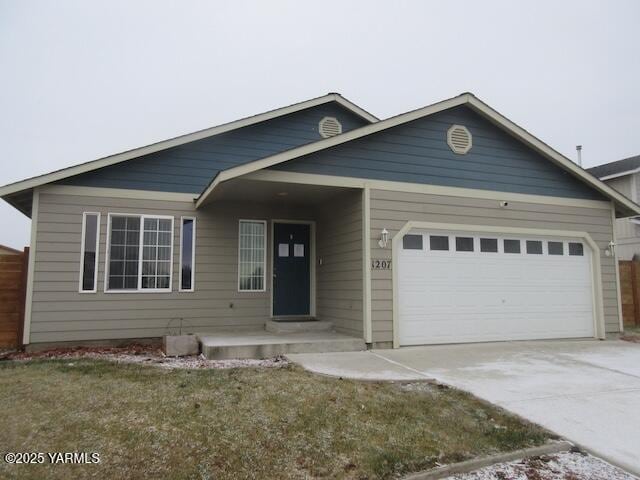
(82, 80)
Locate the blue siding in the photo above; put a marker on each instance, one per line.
(417, 152)
(190, 167)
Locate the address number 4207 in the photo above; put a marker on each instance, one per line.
(381, 264)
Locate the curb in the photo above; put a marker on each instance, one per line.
(478, 463)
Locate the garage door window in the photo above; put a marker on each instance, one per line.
(412, 242)
(555, 248)
(512, 246)
(489, 245)
(464, 244)
(576, 249)
(438, 242)
(534, 247)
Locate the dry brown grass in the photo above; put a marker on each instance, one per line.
(241, 423)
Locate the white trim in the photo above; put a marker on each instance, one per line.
(366, 264)
(620, 174)
(82, 247)
(117, 193)
(139, 288)
(349, 182)
(617, 266)
(193, 255)
(312, 264)
(634, 188)
(264, 260)
(181, 140)
(598, 309)
(464, 99)
(31, 267)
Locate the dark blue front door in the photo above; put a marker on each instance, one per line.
(291, 268)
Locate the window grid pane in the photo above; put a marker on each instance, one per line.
(156, 253)
(124, 251)
(252, 255)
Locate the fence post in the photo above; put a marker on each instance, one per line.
(23, 296)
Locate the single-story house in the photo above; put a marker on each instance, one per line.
(4, 250)
(444, 224)
(624, 176)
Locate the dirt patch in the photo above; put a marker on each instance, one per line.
(140, 354)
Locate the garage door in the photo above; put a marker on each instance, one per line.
(472, 287)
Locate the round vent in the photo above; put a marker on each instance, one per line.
(329, 127)
(459, 139)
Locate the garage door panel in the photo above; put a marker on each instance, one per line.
(450, 297)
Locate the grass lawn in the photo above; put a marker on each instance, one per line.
(147, 422)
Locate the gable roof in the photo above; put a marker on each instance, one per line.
(4, 250)
(619, 168)
(468, 99)
(181, 140)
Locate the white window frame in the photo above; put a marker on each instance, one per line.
(193, 255)
(264, 259)
(107, 256)
(95, 273)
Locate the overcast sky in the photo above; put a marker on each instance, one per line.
(81, 80)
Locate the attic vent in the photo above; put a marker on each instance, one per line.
(459, 139)
(329, 127)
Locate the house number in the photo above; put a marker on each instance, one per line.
(381, 264)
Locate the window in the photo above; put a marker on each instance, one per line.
(512, 246)
(438, 242)
(412, 242)
(187, 254)
(251, 256)
(489, 245)
(555, 248)
(464, 244)
(89, 252)
(534, 247)
(576, 249)
(140, 262)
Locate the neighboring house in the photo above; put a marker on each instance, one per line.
(4, 250)
(444, 224)
(624, 176)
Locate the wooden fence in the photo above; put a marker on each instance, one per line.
(630, 291)
(13, 285)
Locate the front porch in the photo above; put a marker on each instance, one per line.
(299, 278)
(278, 338)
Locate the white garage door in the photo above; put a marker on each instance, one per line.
(472, 287)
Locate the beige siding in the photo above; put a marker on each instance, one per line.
(391, 210)
(339, 285)
(627, 232)
(60, 313)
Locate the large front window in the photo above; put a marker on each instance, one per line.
(251, 256)
(139, 262)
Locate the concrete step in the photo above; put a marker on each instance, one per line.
(312, 325)
(262, 344)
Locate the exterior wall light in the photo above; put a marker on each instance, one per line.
(384, 238)
(611, 249)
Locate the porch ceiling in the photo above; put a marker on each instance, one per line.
(241, 189)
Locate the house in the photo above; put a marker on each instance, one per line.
(623, 176)
(4, 250)
(445, 224)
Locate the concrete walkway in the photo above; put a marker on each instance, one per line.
(586, 391)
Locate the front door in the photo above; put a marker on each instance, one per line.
(291, 269)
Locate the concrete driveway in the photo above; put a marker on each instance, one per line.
(587, 391)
